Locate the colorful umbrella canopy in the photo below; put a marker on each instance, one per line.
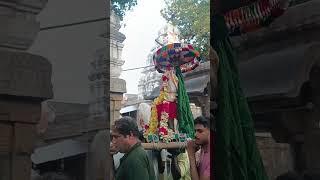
(176, 55)
(244, 16)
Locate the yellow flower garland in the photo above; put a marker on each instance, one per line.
(153, 123)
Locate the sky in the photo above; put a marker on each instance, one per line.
(142, 24)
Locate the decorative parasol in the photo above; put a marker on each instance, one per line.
(243, 16)
(176, 55)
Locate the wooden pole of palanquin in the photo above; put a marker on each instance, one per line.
(159, 145)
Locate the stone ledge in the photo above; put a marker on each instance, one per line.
(19, 18)
(33, 6)
(24, 74)
(19, 112)
(19, 33)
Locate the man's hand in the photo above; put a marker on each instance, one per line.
(191, 147)
(113, 149)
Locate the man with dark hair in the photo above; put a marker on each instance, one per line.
(200, 161)
(135, 164)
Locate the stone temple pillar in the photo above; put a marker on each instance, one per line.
(25, 81)
(98, 84)
(99, 79)
(117, 85)
(99, 167)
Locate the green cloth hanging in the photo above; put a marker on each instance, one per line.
(236, 156)
(185, 117)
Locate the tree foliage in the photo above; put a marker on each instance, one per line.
(120, 7)
(192, 17)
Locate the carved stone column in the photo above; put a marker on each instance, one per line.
(99, 74)
(103, 96)
(25, 81)
(117, 85)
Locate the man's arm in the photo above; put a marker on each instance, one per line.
(191, 148)
(193, 166)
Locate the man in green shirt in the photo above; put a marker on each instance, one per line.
(135, 164)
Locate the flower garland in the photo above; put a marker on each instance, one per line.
(166, 134)
(189, 66)
(153, 124)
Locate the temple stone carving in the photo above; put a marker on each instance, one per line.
(25, 81)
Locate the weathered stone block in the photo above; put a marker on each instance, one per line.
(21, 167)
(24, 138)
(114, 115)
(97, 123)
(112, 103)
(111, 118)
(24, 74)
(312, 147)
(5, 138)
(116, 96)
(117, 85)
(275, 156)
(4, 166)
(19, 111)
(117, 105)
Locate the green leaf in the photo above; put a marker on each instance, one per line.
(120, 7)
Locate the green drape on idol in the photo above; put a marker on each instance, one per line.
(185, 117)
(236, 156)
